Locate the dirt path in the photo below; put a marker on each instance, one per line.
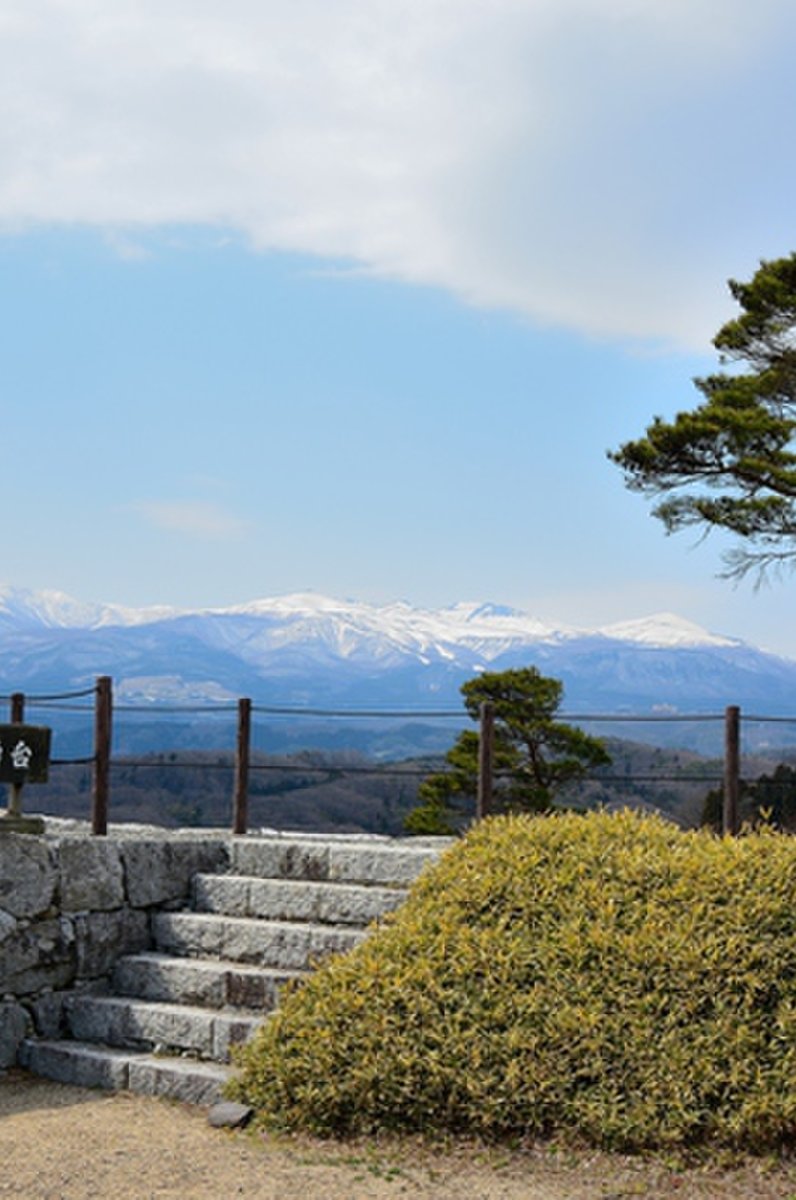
(65, 1143)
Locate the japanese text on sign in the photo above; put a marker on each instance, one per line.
(24, 753)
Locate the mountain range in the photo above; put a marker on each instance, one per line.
(311, 651)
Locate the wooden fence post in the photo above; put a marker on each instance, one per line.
(486, 746)
(103, 717)
(732, 770)
(240, 818)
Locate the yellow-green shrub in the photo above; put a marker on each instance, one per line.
(609, 976)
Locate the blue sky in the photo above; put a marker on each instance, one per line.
(354, 296)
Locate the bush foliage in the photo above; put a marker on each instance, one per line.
(606, 976)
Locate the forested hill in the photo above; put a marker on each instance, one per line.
(347, 792)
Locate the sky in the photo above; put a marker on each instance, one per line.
(353, 296)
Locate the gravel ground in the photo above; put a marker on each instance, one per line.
(66, 1143)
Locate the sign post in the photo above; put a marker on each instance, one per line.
(24, 758)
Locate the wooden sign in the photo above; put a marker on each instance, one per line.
(24, 753)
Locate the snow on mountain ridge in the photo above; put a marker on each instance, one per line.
(354, 629)
(57, 610)
(313, 651)
(665, 629)
(46, 607)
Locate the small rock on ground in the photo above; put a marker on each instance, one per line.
(227, 1114)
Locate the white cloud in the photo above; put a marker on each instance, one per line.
(192, 518)
(602, 164)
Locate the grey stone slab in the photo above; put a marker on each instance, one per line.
(256, 988)
(206, 982)
(14, 1028)
(28, 875)
(306, 838)
(328, 940)
(48, 1014)
(280, 858)
(37, 956)
(159, 870)
(91, 875)
(227, 894)
(97, 1019)
(268, 943)
(245, 940)
(41, 978)
(304, 900)
(164, 977)
(285, 899)
(295, 946)
(102, 937)
(193, 934)
(173, 1026)
(126, 1021)
(350, 904)
(8, 926)
(379, 864)
(230, 1030)
(77, 1063)
(178, 1079)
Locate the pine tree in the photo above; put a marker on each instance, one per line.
(729, 463)
(535, 756)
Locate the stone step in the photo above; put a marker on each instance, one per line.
(362, 862)
(148, 1074)
(285, 945)
(284, 903)
(208, 982)
(295, 899)
(156, 1025)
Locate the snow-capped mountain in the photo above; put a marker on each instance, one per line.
(314, 651)
(23, 607)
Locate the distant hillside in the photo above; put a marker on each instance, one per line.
(347, 792)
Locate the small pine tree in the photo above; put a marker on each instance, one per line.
(535, 756)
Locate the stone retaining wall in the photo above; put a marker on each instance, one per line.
(71, 905)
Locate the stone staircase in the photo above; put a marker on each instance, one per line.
(166, 1025)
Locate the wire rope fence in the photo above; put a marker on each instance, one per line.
(97, 701)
